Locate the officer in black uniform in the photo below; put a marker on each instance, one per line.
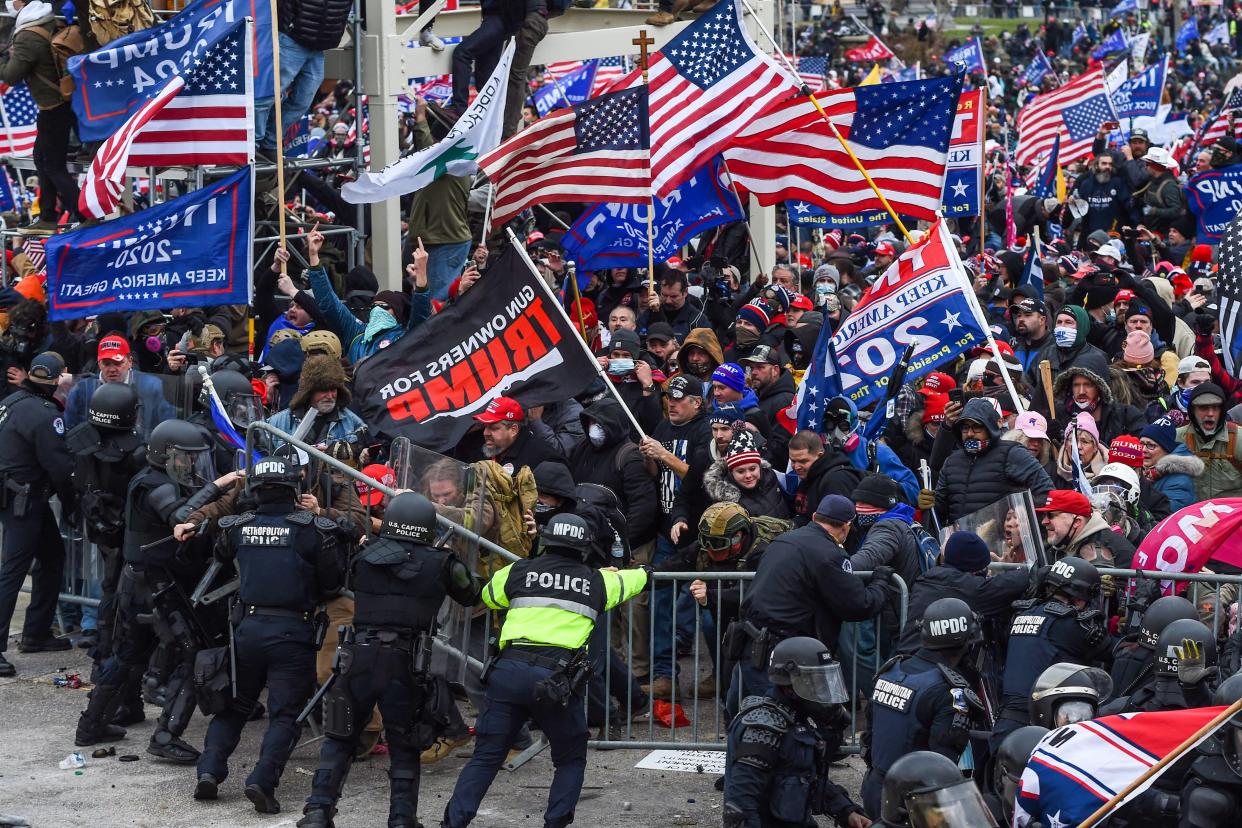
(1212, 794)
(920, 701)
(1184, 674)
(399, 581)
(242, 406)
(1066, 693)
(289, 561)
(107, 452)
(1007, 767)
(1134, 656)
(1058, 625)
(152, 607)
(781, 744)
(34, 465)
(925, 789)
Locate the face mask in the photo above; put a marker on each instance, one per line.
(1065, 337)
(866, 521)
(595, 433)
(823, 289)
(544, 513)
(1110, 317)
(154, 344)
(1183, 397)
(974, 446)
(620, 367)
(1089, 405)
(746, 337)
(379, 321)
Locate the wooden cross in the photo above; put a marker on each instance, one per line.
(642, 42)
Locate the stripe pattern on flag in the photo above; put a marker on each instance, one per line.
(17, 133)
(1043, 118)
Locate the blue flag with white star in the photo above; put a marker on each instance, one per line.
(1115, 42)
(1033, 271)
(1046, 184)
(1188, 32)
(1037, 69)
(970, 54)
(820, 383)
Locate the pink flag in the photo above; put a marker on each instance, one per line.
(1187, 539)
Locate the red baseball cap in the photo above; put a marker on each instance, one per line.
(501, 409)
(937, 382)
(885, 249)
(113, 348)
(1066, 500)
(800, 302)
(1125, 295)
(379, 472)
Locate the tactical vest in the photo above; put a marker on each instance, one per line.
(895, 726)
(398, 584)
(1031, 650)
(143, 528)
(556, 582)
(276, 558)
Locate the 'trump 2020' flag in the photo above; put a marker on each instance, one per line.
(615, 235)
(1140, 95)
(922, 299)
(502, 337)
(189, 252)
(1214, 197)
(1077, 768)
(477, 132)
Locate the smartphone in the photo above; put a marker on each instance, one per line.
(1110, 125)
(955, 395)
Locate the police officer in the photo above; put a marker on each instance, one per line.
(289, 561)
(1010, 762)
(925, 789)
(1212, 794)
(152, 608)
(399, 581)
(107, 452)
(552, 603)
(1067, 693)
(34, 464)
(920, 701)
(1184, 675)
(1134, 656)
(1056, 626)
(781, 743)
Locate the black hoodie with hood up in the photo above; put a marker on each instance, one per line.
(619, 465)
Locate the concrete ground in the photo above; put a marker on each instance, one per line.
(37, 733)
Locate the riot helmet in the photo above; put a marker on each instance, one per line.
(804, 666)
(1230, 736)
(567, 534)
(1012, 756)
(1119, 480)
(1072, 577)
(114, 406)
(949, 624)
(1163, 612)
(241, 404)
(182, 451)
(409, 517)
(725, 531)
(926, 790)
(1172, 639)
(600, 506)
(276, 472)
(1066, 693)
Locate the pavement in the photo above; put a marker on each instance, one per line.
(39, 721)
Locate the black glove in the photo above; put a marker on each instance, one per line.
(650, 585)
(882, 574)
(1204, 324)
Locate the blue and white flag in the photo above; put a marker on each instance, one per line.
(188, 252)
(1188, 32)
(806, 214)
(1046, 184)
(1124, 7)
(568, 90)
(923, 298)
(298, 142)
(1214, 197)
(1115, 42)
(8, 201)
(1033, 271)
(615, 235)
(1219, 36)
(969, 53)
(1037, 70)
(1080, 33)
(1140, 96)
(820, 383)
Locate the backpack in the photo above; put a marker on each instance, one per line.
(928, 547)
(512, 495)
(111, 19)
(66, 43)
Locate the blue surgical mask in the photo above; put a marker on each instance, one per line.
(823, 289)
(1110, 317)
(620, 367)
(1065, 337)
(1183, 397)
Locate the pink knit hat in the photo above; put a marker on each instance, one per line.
(1085, 423)
(1138, 349)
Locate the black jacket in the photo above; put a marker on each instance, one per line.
(765, 499)
(315, 24)
(618, 465)
(991, 597)
(527, 450)
(777, 396)
(832, 473)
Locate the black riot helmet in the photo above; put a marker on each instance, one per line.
(1163, 612)
(114, 406)
(1072, 577)
(1011, 758)
(806, 668)
(241, 404)
(924, 789)
(949, 624)
(410, 517)
(1169, 645)
(599, 504)
(182, 451)
(1230, 736)
(1066, 693)
(567, 534)
(276, 472)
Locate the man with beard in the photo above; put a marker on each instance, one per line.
(1214, 441)
(1107, 195)
(674, 305)
(508, 440)
(1028, 314)
(700, 354)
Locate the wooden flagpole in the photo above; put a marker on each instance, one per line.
(280, 134)
(642, 42)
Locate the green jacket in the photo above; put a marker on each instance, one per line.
(30, 59)
(439, 212)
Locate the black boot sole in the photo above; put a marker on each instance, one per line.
(206, 789)
(59, 646)
(95, 739)
(154, 750)
(263, 803)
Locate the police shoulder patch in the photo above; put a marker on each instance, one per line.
(229, 521)
(300, 518)
(1059, 609)
(325, 524)
(58, 425)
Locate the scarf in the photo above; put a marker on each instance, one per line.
(379, 321)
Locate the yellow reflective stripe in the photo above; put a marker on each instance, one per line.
(497, 586)
(559, 603)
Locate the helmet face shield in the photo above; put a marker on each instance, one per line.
(190, 467)
(822, 684)
(243, 409)
(1074, 710)
(959, 804)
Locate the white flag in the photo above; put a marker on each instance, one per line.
(476, 133)
(1138, 49)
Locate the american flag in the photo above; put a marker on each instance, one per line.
(899, 131)
(706, 85)
(1219, 127)
(595, 151)
(609, 70)
(811, 71)
(32, 247)
(1229, 294)
(204, 117)
(20, 113)
(1074, 111)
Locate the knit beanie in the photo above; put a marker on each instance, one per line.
(732, 375)
(1162, 433)
(967, 552)
(742, 450)
(1127, 450)
(756, 315)
(1138, 349)
(1084, 422)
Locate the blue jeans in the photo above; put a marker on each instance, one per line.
(301, 73)
(444, 264)
(663, 602)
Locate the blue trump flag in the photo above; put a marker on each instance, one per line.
(1033, 271)
(1188, 32)
(1037, 69)
(1140, 95)
(7, 200)
(1115, 42)
(298, 141)
(113, 81)
(1046, 185)
(1214, 197)
(568, 90)
(1124, 7)
(189, 252)
(970, 53)
(615, 235)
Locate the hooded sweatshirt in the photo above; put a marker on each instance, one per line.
(619, 465)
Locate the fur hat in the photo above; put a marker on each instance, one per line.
(320, 373)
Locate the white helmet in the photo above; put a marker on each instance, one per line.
(1127, 477)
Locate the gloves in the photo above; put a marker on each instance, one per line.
(650, 585)
(1204, 324)
(882, 574)
(927, 499)
(1191, 662)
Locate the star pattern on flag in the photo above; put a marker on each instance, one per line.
(20, 107)
(613, 122)
(704, 54)
(1229, 293)
(1083, 120)
(219, 75)
(902, 113)
(950, 320)
(959, 189)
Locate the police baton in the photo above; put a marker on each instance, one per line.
(316, 699)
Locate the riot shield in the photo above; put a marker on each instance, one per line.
(1010, 527)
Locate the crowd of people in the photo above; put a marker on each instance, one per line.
(999, 488)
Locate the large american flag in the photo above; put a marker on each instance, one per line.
(1074, 111)
(202, 117)
(595, 151)
(1219, 127)
(17, 131)
(706, 85)
(899, 131)
(1229, 294)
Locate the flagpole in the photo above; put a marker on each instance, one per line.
(749, 236)
(806, 92)
(1177, 753)
(642, 42)
(983, 143)
(547, 291)
(280, 133)
(573, 277)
